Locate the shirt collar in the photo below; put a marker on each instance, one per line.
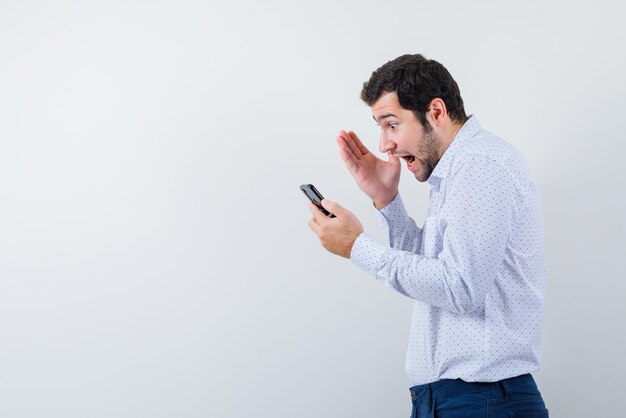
(465, 134)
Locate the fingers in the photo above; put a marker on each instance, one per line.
(333, 207)
(352, 152)
(354, 147)
(392, 158)
(351, 165)
(319, 219)
(362, 148)
(343, 141)
(315, 227)
(318, 215)
(351, 143)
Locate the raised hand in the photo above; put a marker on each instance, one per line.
(377, 178)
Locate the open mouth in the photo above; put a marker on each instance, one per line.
(410, 162)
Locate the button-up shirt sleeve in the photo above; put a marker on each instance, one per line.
(474, 224)
(401, 231)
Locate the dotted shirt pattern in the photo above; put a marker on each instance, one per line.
(476, 269)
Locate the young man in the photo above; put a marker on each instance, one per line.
(476, 269)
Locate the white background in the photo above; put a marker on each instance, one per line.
(155, 258)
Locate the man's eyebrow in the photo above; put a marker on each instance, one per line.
(381, 117)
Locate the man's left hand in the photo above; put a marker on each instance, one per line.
(337, 234)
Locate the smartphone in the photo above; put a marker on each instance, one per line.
(316, 197)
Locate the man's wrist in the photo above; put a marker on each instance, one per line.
(348, 250)
(382, 203)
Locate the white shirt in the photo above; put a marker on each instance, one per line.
(476, 269)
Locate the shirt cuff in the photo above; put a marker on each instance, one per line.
(393, 214)
(366, 253)
(394, 209)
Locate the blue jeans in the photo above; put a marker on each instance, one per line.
(514, 397)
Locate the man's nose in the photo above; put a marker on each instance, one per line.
(385, 145)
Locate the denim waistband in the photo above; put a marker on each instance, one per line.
(524, 384)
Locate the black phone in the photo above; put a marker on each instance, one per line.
(316, 197)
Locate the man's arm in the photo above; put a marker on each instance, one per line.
(475, 221)
(401, 231)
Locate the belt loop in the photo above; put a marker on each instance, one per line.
(431, 401)
(430, 398)
(505, 388)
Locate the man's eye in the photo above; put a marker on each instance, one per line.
(393, 125)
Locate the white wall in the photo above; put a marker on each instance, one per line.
(155, 258)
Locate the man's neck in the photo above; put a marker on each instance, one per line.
(448, 135)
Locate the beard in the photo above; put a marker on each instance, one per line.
(428, 155)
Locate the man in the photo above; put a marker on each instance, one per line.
(476, 269)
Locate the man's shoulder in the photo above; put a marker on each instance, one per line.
(487, 151)
(488, 145)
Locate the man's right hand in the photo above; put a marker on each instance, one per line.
(377, 178)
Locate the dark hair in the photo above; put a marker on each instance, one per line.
(417, 81)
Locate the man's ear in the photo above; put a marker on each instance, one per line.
(438, 111)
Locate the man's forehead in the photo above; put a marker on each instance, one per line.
(386, 106)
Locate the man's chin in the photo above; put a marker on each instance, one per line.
(424, 172)
(421, 171)
(420, 178)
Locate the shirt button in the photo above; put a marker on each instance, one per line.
(413, 395)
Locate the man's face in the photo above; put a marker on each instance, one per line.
(402, 135)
